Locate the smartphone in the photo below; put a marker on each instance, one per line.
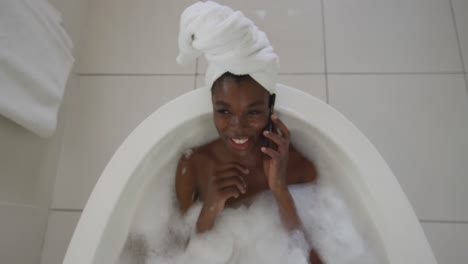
(269, 125)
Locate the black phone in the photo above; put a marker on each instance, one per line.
(269, 126)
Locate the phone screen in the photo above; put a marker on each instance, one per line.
(269, 126)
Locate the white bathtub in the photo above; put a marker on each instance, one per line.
(382, 211)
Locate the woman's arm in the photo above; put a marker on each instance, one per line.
(287, 210)
(185, 184)
(275, 164)
(291, 220)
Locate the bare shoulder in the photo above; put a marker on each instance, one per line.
(301, 167)
(190, 167)
(195, 162)
(199, 156)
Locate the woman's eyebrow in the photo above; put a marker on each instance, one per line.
(222, 103)
(256, 103)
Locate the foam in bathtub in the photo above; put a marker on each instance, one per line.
(253, 234)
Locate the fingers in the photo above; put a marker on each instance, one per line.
(230, 182)
(231, 166)
(281, 142)
(229, 192)
(271, 153)
(281, 126)
(230, 175)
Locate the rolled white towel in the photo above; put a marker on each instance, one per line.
(35, 62)
(230, 42)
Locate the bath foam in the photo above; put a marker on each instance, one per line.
(252, 234)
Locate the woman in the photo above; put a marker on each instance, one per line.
(237, 166)
(241, 72)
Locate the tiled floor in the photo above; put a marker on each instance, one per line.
(23, 226)
(395, 68)
(390, 36)
(59, 230)
(419, 124)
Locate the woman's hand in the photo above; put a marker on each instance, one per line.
(276, 160)
(225, 183)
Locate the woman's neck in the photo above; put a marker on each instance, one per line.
(251, 159)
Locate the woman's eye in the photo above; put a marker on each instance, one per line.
(255, 112)
(223, 111)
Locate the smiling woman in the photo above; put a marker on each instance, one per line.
(240, 112)
(235, 167)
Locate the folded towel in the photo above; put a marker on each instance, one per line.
(35, 62)
(230, 42)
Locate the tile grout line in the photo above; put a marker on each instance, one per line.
(460, 52)
(196, 75)
(281, 73)
(393, 73)
(324, 43)
(301, 73)
(59, 165)
(21, 205)
(442, 221)
(134, 74)
(65, 210)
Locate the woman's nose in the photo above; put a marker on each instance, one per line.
(237, 121)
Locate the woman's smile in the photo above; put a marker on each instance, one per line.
(241, 143)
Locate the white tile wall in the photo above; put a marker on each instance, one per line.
(390, 36)
(59, 233)
(293, 27)
(449, 241)
(419, 124)
(460, 8)
(137, 36)
(101, 113)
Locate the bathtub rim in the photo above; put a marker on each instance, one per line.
(106, 203)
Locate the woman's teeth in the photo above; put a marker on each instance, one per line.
(240, 140)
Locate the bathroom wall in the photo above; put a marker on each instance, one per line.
(28, 166)
(396, 68)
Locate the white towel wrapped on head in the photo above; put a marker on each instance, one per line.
(230, 42)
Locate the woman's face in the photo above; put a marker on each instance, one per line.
(240, 112)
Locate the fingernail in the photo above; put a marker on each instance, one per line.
(265, 132)
(273, 116)
(262, 148)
